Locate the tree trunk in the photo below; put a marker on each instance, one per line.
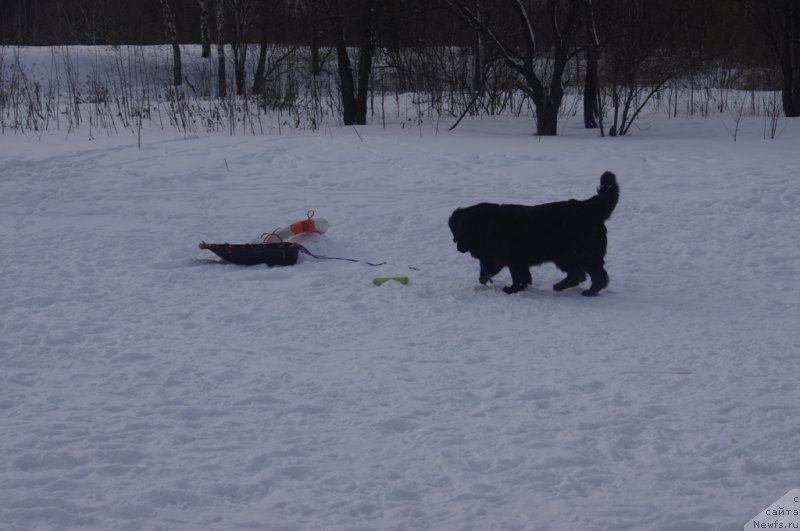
(546, 120)
(239, 63)
(791, 94)
(205, 30)
(172, 37)
(364, 70)
(316, 68)
(547, 113)
(590, 89)
(240, 22)
(550, 104)
(590, 84)
(222, 87)
(354, 105)
(477, 54)
(346, 85)
(791, 59)
(365, 62)
(261, 69)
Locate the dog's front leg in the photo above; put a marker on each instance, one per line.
(520, 279)
(488, 270)
(485, 274)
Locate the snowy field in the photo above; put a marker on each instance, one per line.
(147, 385)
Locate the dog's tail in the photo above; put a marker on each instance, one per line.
(607, 196)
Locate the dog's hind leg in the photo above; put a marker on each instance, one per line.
(572, 280)
(575, 276)
(599, 278)
(520, 278)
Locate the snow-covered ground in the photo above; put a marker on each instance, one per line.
(146, 385)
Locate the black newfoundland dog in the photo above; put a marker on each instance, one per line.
(572, 234)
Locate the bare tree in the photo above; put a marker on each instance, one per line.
(590, 81)
(222, 90)
(525, 56)
(242, 14)
(313, 7)
(23, 16)
(261, 67)
(172, 36)
(637, 62)
(85, 20)
(310, 12)
(779, 20)
(354, 91)
(205, 29)
(478, 52)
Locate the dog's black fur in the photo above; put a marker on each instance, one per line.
(572, 234)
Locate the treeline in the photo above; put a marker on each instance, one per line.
(710, 27)
(620, 54)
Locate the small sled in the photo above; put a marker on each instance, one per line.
(272, 254)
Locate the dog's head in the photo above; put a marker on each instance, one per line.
(459, 227)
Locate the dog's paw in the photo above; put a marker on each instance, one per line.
(570, 282)
(561, 286)
(590, 292)
(513, 288)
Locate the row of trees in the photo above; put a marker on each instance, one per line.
(621, 53)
